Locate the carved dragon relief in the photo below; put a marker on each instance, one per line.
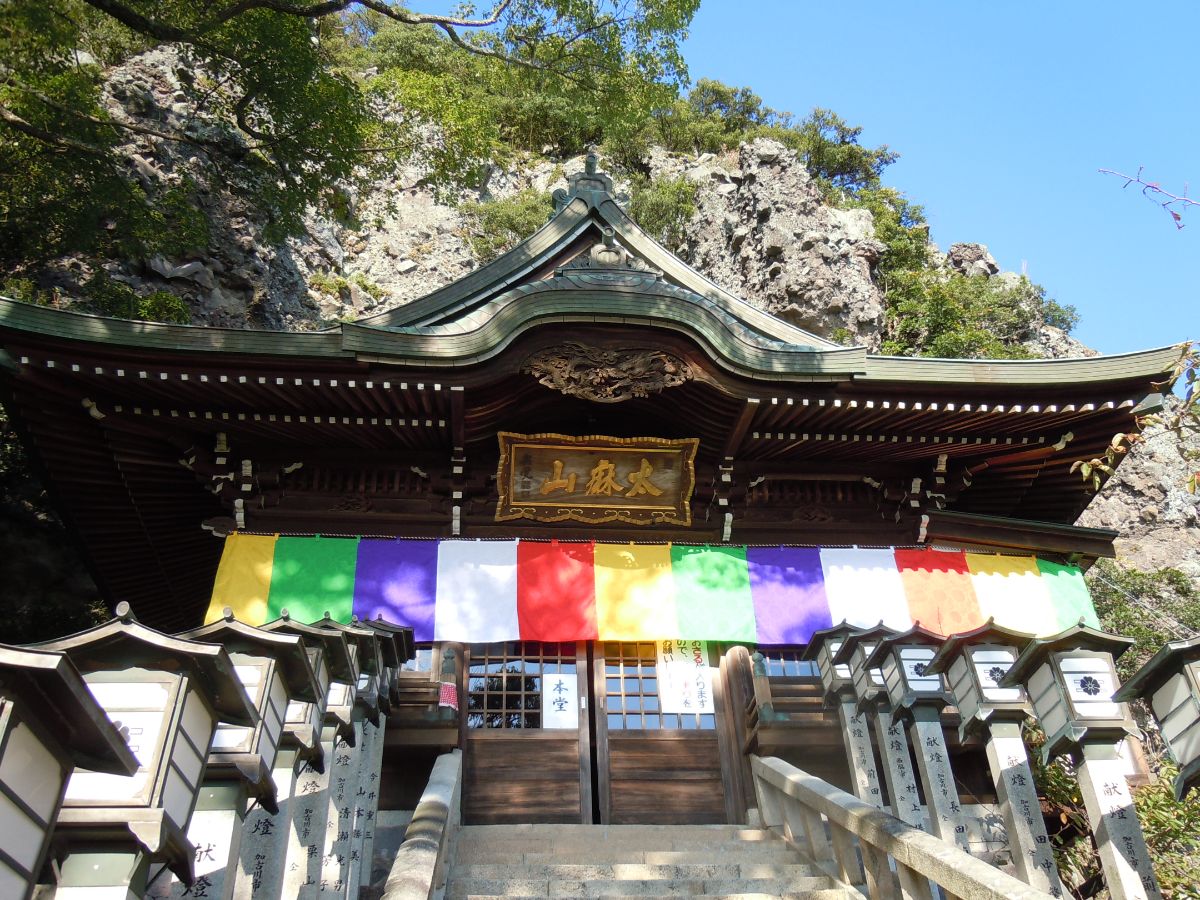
(607, 376)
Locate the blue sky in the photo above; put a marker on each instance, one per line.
(1002, 114)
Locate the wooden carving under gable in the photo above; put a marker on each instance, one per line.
(555, 478)
(607, 376)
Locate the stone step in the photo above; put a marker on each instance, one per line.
(459, 888)
(598, 856)
(818, 894)
(647, 842)
(638, 871)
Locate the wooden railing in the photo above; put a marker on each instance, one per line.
(860, 844)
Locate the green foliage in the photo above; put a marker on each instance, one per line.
(931, 313)
(497, 225)
(663, 207)
(1172, 831)
(1152, 607)
(106, 297)
(1060, 315)
(289, 108)
(716, 117)
(899, 224)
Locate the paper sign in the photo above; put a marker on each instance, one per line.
(560, 701)
(684, 677)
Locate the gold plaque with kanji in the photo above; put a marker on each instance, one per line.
(555, 478)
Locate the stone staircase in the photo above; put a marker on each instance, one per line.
(631, 861)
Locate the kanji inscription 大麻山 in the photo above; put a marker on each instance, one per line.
(554, 478)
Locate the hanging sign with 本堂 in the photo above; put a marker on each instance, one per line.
(560, 701)
(685, 679)
(554, 477)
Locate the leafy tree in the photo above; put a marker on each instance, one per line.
(663, 207)
(279, 109)
(498, 225)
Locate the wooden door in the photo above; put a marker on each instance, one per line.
(654, 767)
(516, 769)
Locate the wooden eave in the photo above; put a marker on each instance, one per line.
(117, 412)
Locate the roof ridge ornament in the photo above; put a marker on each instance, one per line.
(591, 185)
(609, 263)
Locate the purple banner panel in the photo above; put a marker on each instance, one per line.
(398, 580)
(788, 591)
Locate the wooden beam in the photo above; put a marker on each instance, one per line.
(734, 442)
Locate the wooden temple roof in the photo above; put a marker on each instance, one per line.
(147, 431)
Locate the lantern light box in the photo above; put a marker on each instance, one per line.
(1071, 679)
(823, 646)
(166, 696)
(396, 642)
(1171, 682)
(869, 685)
(365, 651)
(274, 669)
(974, 663)
(903, 659)
(333, 665)
(49, 723)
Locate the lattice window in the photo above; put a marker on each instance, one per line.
(786, 662)
(504, 682)
(631, 685)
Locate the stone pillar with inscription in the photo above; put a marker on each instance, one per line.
(366, 806)
(838, 682)
(898, 770)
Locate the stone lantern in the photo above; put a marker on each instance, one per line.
(166, 696)
(917, 699)
(295, 856)
(365, 651)
(903, 660)
(822, 647)
(869, 686)
(838, 683)
(1071, 679)
(973, 664)
(274, 668)
(1171, 682)
(329, 656)
(49, 724)
(402, 650)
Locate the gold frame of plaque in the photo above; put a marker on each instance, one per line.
(557, 477)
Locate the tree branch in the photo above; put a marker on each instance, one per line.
(62, 144)
(1154, 192)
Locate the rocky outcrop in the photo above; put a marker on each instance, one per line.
(761, 230)
(1145, 500)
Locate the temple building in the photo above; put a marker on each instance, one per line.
(612, 501)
